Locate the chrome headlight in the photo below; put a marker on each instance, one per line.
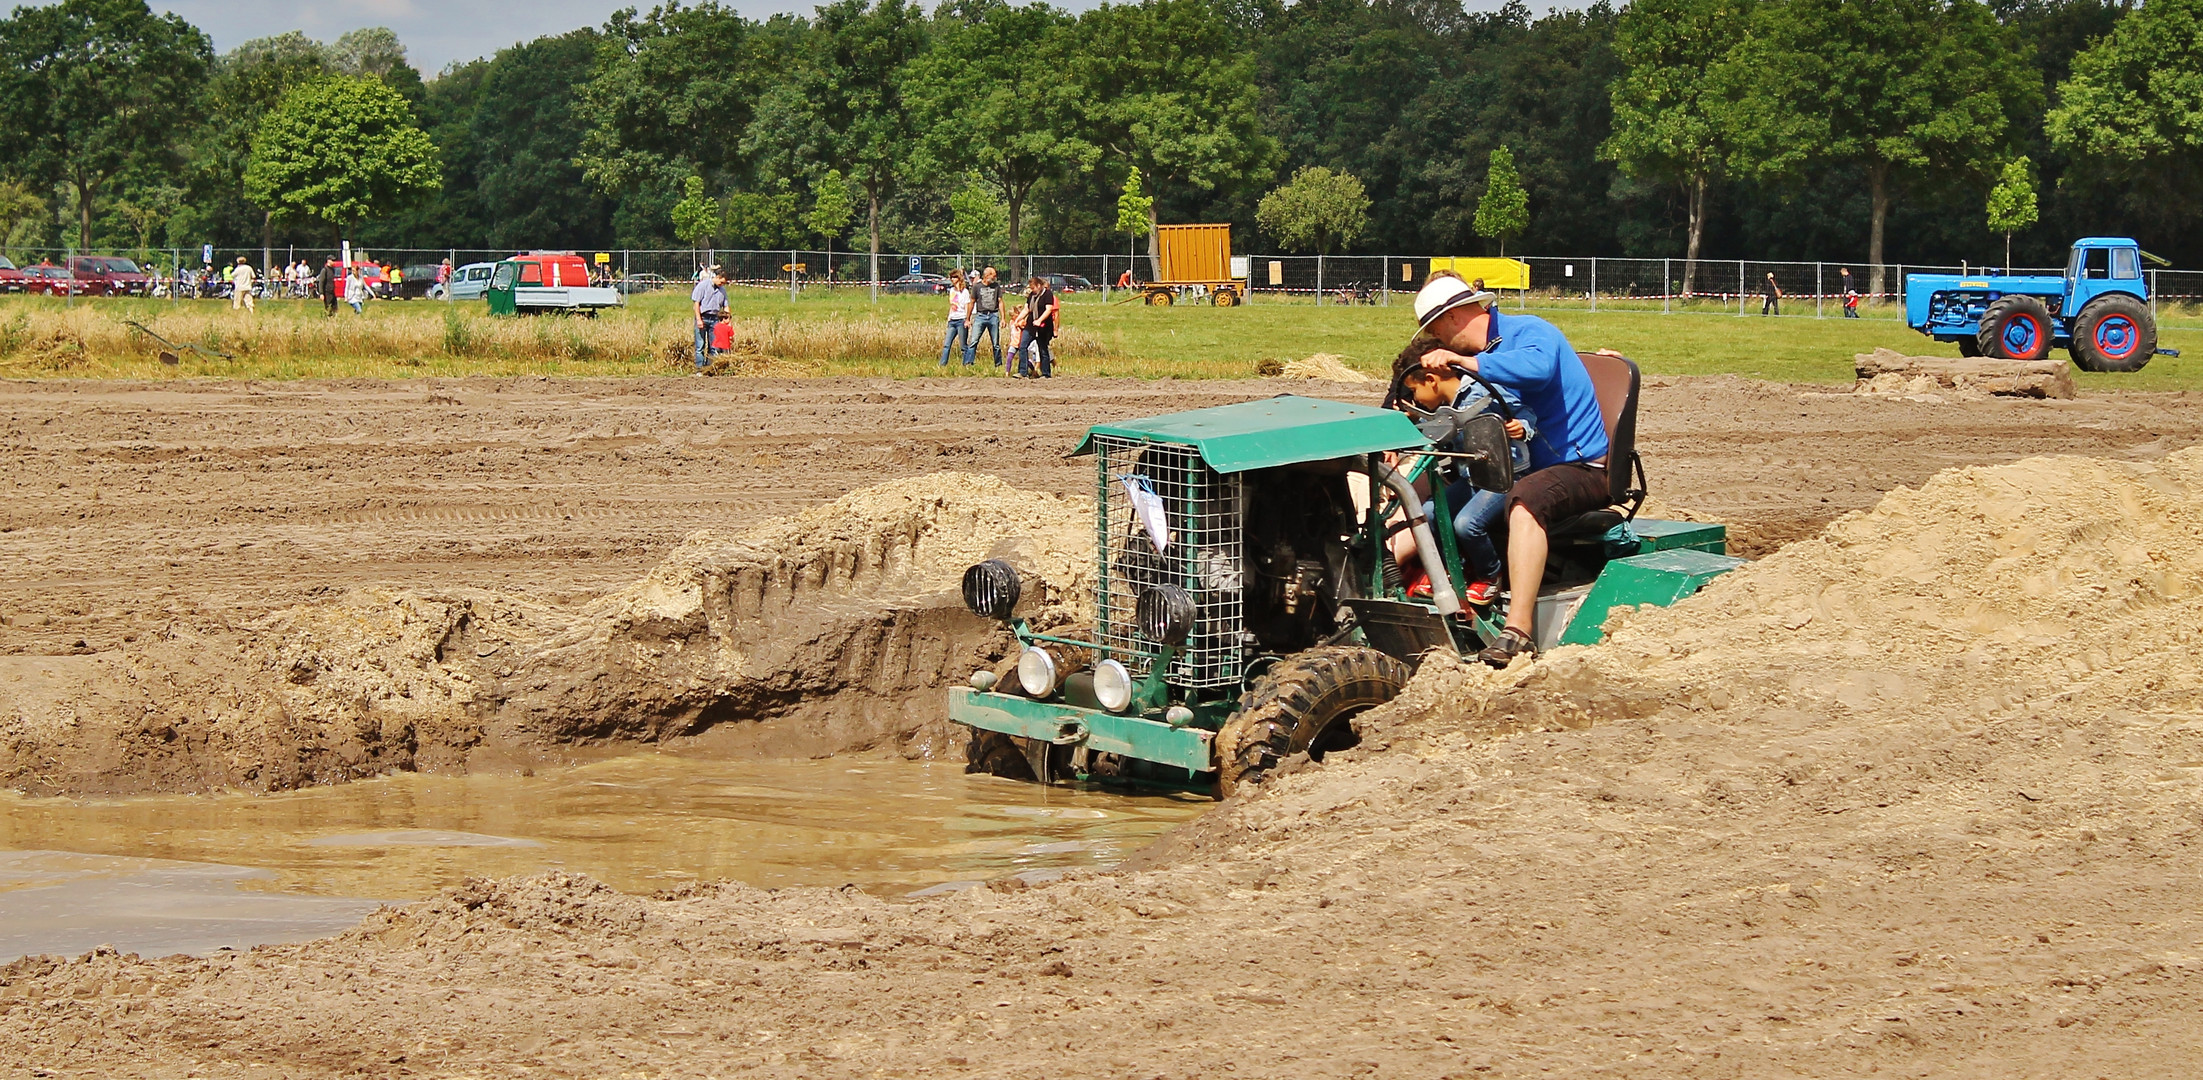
(1112, 686)
(1037, 673)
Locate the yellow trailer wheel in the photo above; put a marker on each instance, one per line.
(1225, 297)
(1163, 297)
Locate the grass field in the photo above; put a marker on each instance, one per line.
(845, 334)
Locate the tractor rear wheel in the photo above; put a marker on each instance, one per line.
(2114, 333)
(2016, 328)
(1303, 703)
(1969, 346)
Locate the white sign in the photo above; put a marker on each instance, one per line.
(347, 256)
(206, 253)
(916, 267)
(1239, 267)
(1148, 507)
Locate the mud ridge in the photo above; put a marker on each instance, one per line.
(830, 630)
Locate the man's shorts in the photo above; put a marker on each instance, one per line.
(1557, 493)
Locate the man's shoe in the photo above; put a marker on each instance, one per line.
(1511, 643)
(1481, 593)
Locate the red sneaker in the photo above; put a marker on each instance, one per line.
(1481, 593)
(1418, 586)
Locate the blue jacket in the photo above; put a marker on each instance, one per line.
(1531, 358)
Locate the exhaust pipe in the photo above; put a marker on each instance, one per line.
(1426, 545)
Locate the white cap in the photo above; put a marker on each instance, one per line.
(1443, 294)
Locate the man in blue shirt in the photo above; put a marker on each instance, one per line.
(710, 298)
(1526, 355)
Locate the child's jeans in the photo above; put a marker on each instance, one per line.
(1477, 514)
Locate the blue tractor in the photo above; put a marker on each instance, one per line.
(2099, 310)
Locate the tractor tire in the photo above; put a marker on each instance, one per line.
(2114, 333)
(1969, 346)
(996, 754)
(2016, 328)
(1303, 703)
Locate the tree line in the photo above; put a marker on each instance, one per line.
(1876, 130)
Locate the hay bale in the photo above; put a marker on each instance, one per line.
(1325, 367)
(1887, 371)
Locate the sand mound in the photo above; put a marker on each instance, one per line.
(1324, 367)
(835, 621)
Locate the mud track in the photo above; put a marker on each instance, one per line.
(354, 577)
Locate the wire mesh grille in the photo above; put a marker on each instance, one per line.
(1204, 554)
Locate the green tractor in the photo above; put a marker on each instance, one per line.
(1246, 603)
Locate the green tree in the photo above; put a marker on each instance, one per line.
(19, 207)
(2012, 203)
(1135, 207)
(1674, 101)
(1900, 88)
(245, 84)
(1170, 89)
(92, 88)
(978, 218)
(1504, 210)
(374, 52)
(990, 97)
(338, 151)
(696, 216)
(763, 219)
(519, 139)
(1317, 210)
(2132, 111)
(861, 52)
(830, 213)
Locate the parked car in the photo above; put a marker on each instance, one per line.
(641, 283)
(51, 280)
(1067, 283)
(11, 277)
(107, 275)
(917, 283)
(467, 282)
(419, 280)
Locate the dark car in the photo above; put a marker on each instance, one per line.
(107, 275)
(418, 281)
(917, 283)
(51, 280)
(11, 278)
(1067, 283)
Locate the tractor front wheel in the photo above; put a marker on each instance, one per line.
(2016, 328)
(2114, 333)
(1303, 703)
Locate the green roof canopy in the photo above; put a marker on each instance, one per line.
(1274, 431)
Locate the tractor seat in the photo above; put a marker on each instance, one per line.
(1615, 380)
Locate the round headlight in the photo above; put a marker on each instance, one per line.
(990, 589)
(1112, 686)
(1165, 614)
(1036, 672)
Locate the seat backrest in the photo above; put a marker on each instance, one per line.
(1614, 379)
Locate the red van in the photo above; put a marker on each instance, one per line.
(107, 275)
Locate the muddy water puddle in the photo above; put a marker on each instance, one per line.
(192, 873)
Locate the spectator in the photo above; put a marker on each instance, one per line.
(1772, 304)
(986, 315)
(240, 285)
(1124, 280)
(443, 278)
(959, 320)
(355, 290)
(1043, 312)
(395, 275)
(329, 284)
(710, 300)
(1850, 296)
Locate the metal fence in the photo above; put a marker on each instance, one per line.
(1666, 286)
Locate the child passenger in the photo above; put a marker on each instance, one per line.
(1477, 513)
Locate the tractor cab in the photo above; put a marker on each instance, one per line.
(1247, 604)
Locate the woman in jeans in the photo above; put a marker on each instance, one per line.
(959, 319)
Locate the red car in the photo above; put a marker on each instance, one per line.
(107, 275)
(52, 281)
(11, 279)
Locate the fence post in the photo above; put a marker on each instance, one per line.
(791, 276)
(1105, 277)
(1900, 293)
(1740, 288)
(1319, 279)
(2153, 295)
(176, 273)
(1816, 289)
(1384, 282)
(1667, 287)
(1594, 283)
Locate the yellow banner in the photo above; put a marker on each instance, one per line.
(1497, 273)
